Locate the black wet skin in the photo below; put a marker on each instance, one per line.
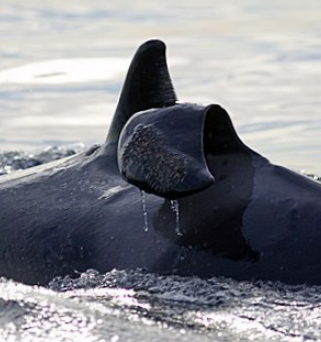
(254, 221)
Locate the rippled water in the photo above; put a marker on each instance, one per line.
(62, 65)
(61, 68)
(134, 306)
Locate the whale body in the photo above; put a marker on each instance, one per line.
(173, 190)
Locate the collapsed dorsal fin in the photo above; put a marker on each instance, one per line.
(161, 151)
(147, 85)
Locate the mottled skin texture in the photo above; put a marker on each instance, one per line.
(163, 168)
(257, 221)
(161, 151)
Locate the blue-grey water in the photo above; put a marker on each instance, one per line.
(62, 64)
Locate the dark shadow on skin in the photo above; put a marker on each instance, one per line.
(212, 219)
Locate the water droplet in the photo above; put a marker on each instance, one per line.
(175, 209)
(143, 198)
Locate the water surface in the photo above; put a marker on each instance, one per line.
(62, 65)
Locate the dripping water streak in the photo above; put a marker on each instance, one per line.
(175, 209)
(143, 197)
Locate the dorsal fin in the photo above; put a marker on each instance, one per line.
(161, 151)
(147, 85)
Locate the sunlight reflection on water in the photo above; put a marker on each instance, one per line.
(62, 66)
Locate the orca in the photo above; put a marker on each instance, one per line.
(172, 190)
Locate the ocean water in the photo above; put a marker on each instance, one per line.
(62, 64)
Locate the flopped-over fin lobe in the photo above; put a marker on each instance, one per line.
(161, 151)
